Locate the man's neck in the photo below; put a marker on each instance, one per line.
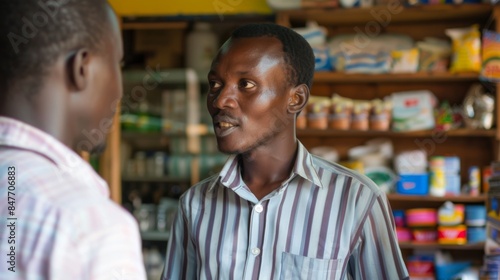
(265, 170)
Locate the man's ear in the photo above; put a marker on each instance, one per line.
(299, 96)
(77, 69)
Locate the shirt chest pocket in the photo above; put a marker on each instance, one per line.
(295, 267)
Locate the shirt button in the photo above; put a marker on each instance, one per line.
(256, 251)
(259, 208)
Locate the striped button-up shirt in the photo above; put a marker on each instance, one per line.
(324, 222)
(56, 219)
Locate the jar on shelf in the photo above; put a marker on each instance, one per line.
(340, 113)
(146, 217)
(380, 115)
(317, 112)
(360, 112)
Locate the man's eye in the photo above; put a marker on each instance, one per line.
(247, 85)
(214, 85)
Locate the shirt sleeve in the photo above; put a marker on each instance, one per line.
(111, 249)
(377, 254)
(180, 260)
(117, 255)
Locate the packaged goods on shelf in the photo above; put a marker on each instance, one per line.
(351, 55)
(377, 152)
(404, 61)
(466, 45)
(434, 55)
(421, 217)
(413, 110)
(174, 110)
(490, 68)
(450, 214)
(413, 184)
(421, 267)
(411, 162)
(315, 35)
(452, 234)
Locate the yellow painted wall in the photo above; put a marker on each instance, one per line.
(189, 7)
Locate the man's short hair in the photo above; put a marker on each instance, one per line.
(34, 33)
(298, 54)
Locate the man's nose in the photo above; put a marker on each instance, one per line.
(226, 97)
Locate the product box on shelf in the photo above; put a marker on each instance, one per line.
(413, 110)
(413, 184)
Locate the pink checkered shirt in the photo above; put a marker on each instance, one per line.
(56, 218)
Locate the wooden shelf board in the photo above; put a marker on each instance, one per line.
(151, 179)
(424, 13)
(436, 245)
(339, 77)
(424, 198)
(146, 134)
(153, 25)
(372, 133)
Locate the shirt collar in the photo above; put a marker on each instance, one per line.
(16, 134)
(230, 175)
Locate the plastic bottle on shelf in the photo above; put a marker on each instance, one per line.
(202, 45)
(437, 176)
(474, 180)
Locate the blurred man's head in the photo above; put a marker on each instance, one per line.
(60, 67)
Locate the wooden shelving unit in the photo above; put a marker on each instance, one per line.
(435, 245)
(441, 199)
(154, 179)
(373, 133)
(474, 147)
(337, 77)
(398, 14)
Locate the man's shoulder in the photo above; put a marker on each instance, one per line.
(202, 187)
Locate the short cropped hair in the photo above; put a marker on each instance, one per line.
(298, 54)
(34, 33)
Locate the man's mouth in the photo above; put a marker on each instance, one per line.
(226, 125)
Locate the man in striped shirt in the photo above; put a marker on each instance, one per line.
(60, 82)
(275, 211)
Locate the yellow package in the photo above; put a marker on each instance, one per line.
(466, 44)
(491, 57)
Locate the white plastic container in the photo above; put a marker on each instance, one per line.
(202, 45)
